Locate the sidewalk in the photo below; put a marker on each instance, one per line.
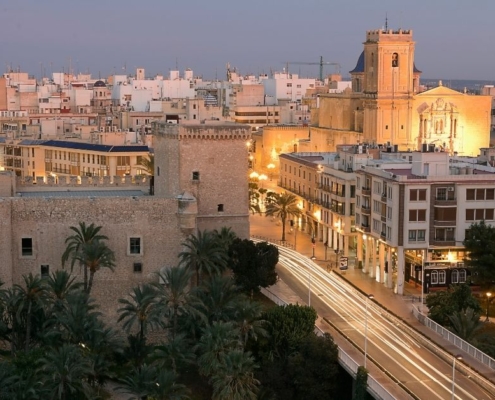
(400, 305)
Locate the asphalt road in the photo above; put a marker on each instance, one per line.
(424, 373)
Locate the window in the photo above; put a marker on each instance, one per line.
(417, 194)
(220, 207)
(412, 235)
(480, 194)
(454, 277)
(27, 246)
(389, 212)
(462, 276)
(195, 176)
(389, 233)
(138, 267)
(434, 277)
(45, 270)
(134, 245)
(417, 215)
(479, 214)
(442, 277)
(421, 235)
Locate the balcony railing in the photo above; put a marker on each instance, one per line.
(365, 227)
(366, 191)
(366, 210)
(443, 201)
(444, 223)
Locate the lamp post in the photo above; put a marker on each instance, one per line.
(488, 295)
(457, 357)
(270, 167)
(313, 244)
(370, 296)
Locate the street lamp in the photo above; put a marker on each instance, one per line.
(370, 296)
(457, 357)
(270, 167)
(488, 295)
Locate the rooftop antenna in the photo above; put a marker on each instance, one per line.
(386, 21)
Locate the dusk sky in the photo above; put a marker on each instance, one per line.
(454, 38)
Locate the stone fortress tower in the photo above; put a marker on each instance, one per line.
(200, 183)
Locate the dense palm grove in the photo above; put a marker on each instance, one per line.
(196, 332)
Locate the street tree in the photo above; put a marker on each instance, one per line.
(480, 246)
(445, 303)
(314, 367)
(284, 206)
(253, 264)
(465, 323)
(287, 326)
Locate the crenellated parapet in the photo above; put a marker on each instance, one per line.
(217, 131)
(82, 181)
(389, 35)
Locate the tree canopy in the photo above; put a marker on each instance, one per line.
(446, 303)
(253, 264)
(480, 245)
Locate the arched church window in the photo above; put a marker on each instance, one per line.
(395, 60)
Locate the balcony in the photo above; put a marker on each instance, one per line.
(384, 218)
(445, 201)
(365, 227)
(383, 235)
(366, 191)
(444, 223)
(366, 210)
(440, 241)
(384, 197)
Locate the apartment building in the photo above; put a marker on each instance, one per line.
(412, 213)
(42, 158)
(325, 186)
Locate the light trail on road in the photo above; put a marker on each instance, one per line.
(389, 344)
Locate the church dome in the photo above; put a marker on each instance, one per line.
(359, 66)
(99, 83)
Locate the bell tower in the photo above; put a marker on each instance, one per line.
(389, 83)
(389, 62)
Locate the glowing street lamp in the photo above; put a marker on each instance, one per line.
(457, 357)
(270, 167)
(488, 295)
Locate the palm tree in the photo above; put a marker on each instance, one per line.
(93, 256)
(248, 316)
(220, 298)
(166, 388)
(64, 373)
(234, 379)
(466, 323)
(225, 236)
(173, 294)
(175, 354)
(217, 340)
(284, 206)
(141, 310)
(204, 254)
(31, 296)
(147, 164)
(83, 235)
